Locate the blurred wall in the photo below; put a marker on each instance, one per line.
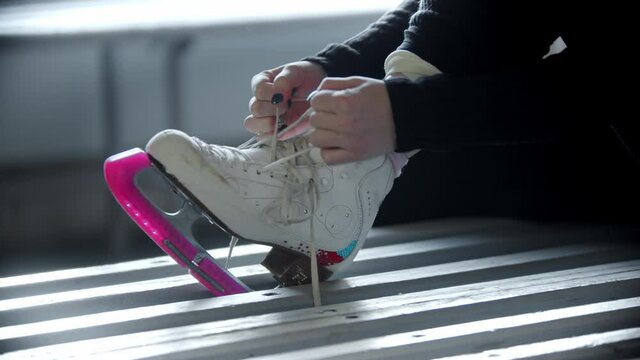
(55, 120)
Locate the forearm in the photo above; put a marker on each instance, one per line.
(523, 104)
(365, 53)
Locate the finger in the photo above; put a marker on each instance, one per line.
(325, 121)
(259, 125)
(265, 108)
(294, 112)
(324, 101)
(340, 83)
(336, 156)
(300, 128)
(288, 79)
(264, 77)
(264, 91)
(265, 135)
(326, 139)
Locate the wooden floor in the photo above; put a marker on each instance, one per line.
(456, 289)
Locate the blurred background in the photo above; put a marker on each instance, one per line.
(85, 79)
(81, 80)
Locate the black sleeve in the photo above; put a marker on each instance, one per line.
(365, 53)
(530, 103)
(496, 88)
(473, 36)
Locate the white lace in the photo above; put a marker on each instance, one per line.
(285, 155)
(232, 243)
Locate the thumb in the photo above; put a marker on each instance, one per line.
(290, 78)
(340, 83)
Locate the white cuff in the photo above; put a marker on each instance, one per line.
(409, 65)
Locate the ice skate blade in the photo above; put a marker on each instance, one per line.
(287, 267)
(290, 268)
(190, 198)
(171, 232)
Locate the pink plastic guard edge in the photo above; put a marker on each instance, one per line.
(120, 171)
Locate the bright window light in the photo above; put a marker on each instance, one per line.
(104, 16)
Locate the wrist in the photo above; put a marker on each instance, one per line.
(316, 68)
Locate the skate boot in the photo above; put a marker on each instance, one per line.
(280, 193)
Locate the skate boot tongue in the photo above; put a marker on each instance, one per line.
(299, 159)
(262, 153)
(259, 155)
(295, 151)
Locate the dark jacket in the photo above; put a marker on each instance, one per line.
(496, 88)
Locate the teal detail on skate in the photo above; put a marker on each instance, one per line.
(344, 253)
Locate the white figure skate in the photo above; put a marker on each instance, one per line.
(280, 194)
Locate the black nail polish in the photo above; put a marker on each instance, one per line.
(277, 99)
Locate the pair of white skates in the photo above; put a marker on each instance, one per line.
(277, 193)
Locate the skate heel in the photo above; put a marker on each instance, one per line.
(290, 268)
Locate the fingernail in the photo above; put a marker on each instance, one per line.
(313, 93)
(277, 98)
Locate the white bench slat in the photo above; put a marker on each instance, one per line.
(385, 252)
(561, 347)
(441, 277)
(379, 279)
(431, 299)
(395, 345)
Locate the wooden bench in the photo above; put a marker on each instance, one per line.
(455, 288)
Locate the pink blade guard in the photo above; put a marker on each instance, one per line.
(120, 171)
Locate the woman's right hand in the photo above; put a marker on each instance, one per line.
(294, 82)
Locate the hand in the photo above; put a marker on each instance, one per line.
(295, 81)
(352, 119)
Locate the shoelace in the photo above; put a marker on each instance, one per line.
(298, 149)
